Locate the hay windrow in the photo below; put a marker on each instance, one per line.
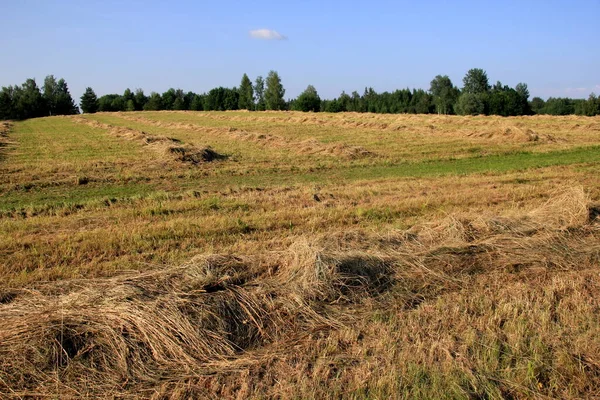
(164, 147)
(216, 313)
(492, 129)
(5, 127)
(310, 146)
(512, 133)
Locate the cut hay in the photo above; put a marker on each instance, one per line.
(143, 332)
(511, 133)
(165, 147)
(186, 153)
(5, 127)
(342, 150)
(319, 275)
(135, 328)
(309, 146)
(109, 335)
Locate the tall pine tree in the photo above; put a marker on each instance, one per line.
(64, 104)
(89, 101)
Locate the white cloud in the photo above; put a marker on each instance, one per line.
(266, 34)
(576, 90)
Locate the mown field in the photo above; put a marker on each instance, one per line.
(295, 255)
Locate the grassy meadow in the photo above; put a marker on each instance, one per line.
(300, 255)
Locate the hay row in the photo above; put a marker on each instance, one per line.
(309, 146)
(511, 133)
(164, 147)
(492, 129)
(138, 332)
(5, 127)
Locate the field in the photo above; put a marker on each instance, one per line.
(299, 255)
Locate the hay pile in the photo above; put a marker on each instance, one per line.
(164, 147)
(141, 332)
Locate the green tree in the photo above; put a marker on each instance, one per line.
(274, 92)
(7, 110)
(591, 106)
(344, 102)
(117, 102)
(246, 94)
(64, 103)
(188, 98)
(154, 102)
(139, 99)
(498, 100)
(506, 101)
(523, 99)
(89, 101)
(128, 95)
(259, 90)
(111, 102)
(179, 104)
(421, 102)
(50, 93)
(197, 103)
(331, 106)
(444, 94)
(475, 93)
(168, 99)
(308, 100)
(231, 99)
(522, 90)
(180, 101)
(355, 102)
(476, 81)
(221, 99)
(559, 106)
(130, 105)
(215, 99)
(29, 101)
(537, 105)
(472, 104)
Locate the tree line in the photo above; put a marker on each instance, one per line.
(477, 96)
(28, 101)
(264, 94)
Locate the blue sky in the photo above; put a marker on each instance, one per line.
(334, 45)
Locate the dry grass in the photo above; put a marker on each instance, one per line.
(5, 127)
(219, 316)
(162, 146)
(513, 133)
(308, 146)
(288, 272)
